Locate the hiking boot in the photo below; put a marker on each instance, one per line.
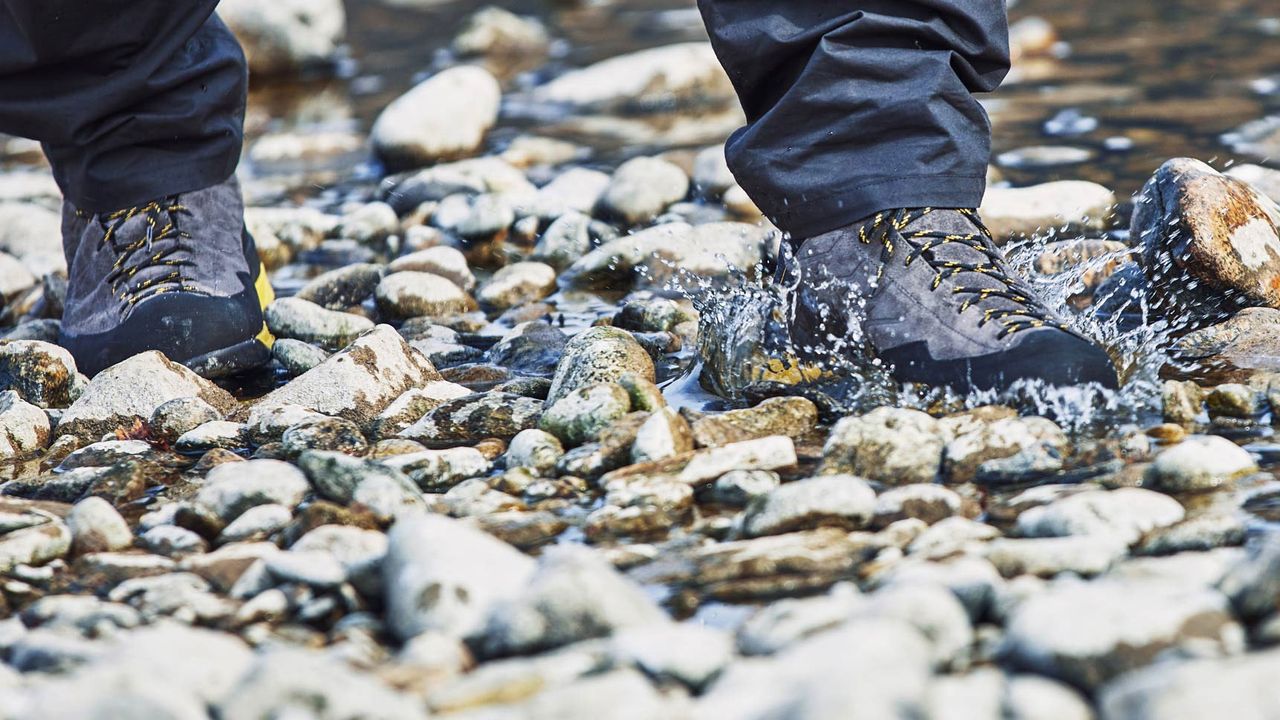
(927, 292)
(180, 275)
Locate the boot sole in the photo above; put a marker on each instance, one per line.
(243, 356)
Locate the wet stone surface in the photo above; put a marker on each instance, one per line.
(484, 475)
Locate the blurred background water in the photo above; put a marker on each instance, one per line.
(1111, 90)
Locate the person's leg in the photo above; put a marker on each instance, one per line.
(865, 143)
(139, 105)
(132, 99)
(858, 106)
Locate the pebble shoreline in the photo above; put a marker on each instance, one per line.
(456, 504)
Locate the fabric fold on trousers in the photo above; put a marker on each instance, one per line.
(132, 100)
(858, 106)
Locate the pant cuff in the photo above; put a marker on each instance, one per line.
(159, 180)
(810, 215)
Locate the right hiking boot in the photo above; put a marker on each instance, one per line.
(179, 274)
(927, 293)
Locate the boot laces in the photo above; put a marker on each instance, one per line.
(1021, 311)
(151, 264)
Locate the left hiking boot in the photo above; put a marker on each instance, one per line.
(179, 274)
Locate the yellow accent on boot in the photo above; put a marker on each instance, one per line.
(266, 296)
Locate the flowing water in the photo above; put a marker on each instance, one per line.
(1126, 86)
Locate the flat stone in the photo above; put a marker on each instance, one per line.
(669, 254)
(1198, 464)
(133, 389)
(841, 501)
(443, 118)
(1041, 209)
(1089, 633)
(1126, 513)
(889, 445)
(297, 319)
(442, 575)
(686, 73)
(790, 416)
(574, 595)
(472, 418)
(359, 382)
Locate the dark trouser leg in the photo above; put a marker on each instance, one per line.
(857, 106)
(132, 99)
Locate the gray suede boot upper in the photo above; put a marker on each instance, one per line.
(928, 292)
(176, 274)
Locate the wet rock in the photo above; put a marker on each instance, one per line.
(976, 439)
(288, 36)
(532, 348)
(1089, 633)
(668, 254)
(1086, 555)
(355, 384)
(25, 427)
(599, 355)
(473, 176)
(641, 507)
(497, 32)
(1266, 180)
(580, 416)
(472, 418)
(642, 188)
(443, 118)
(1236, 348)
(1198, 464)
(326, 434)
(611, 451)
(297, 319)
(1253, 583)
(689, 654)
(444, 576)
(419, 294)
(1211, 243)
(889, 445)
(34, 545)
(665, 434)
(739, 487)
(231, 489)
(576, 190)
(255, 524)
(536, 450)
(172, 541)
(297, 357)
(930, 503)
(283, 680)
(477, 219)
(346, 286)
(564, 241)
(1234, 401)
(878, 666)
(1238, 686)
(413, 405)
(791, 416)
(1125, 513)
(211, 435)
(1197, 534)
(446, 262)
(367, 224)
(1041, 209)
(337, 477)
(517, 284)
(673, 75)
(436, 470)
(1183, 402)
(134, 389)
(574, 595)
(43, 374)
(96, 527)
(172, 419)
(841, 501)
